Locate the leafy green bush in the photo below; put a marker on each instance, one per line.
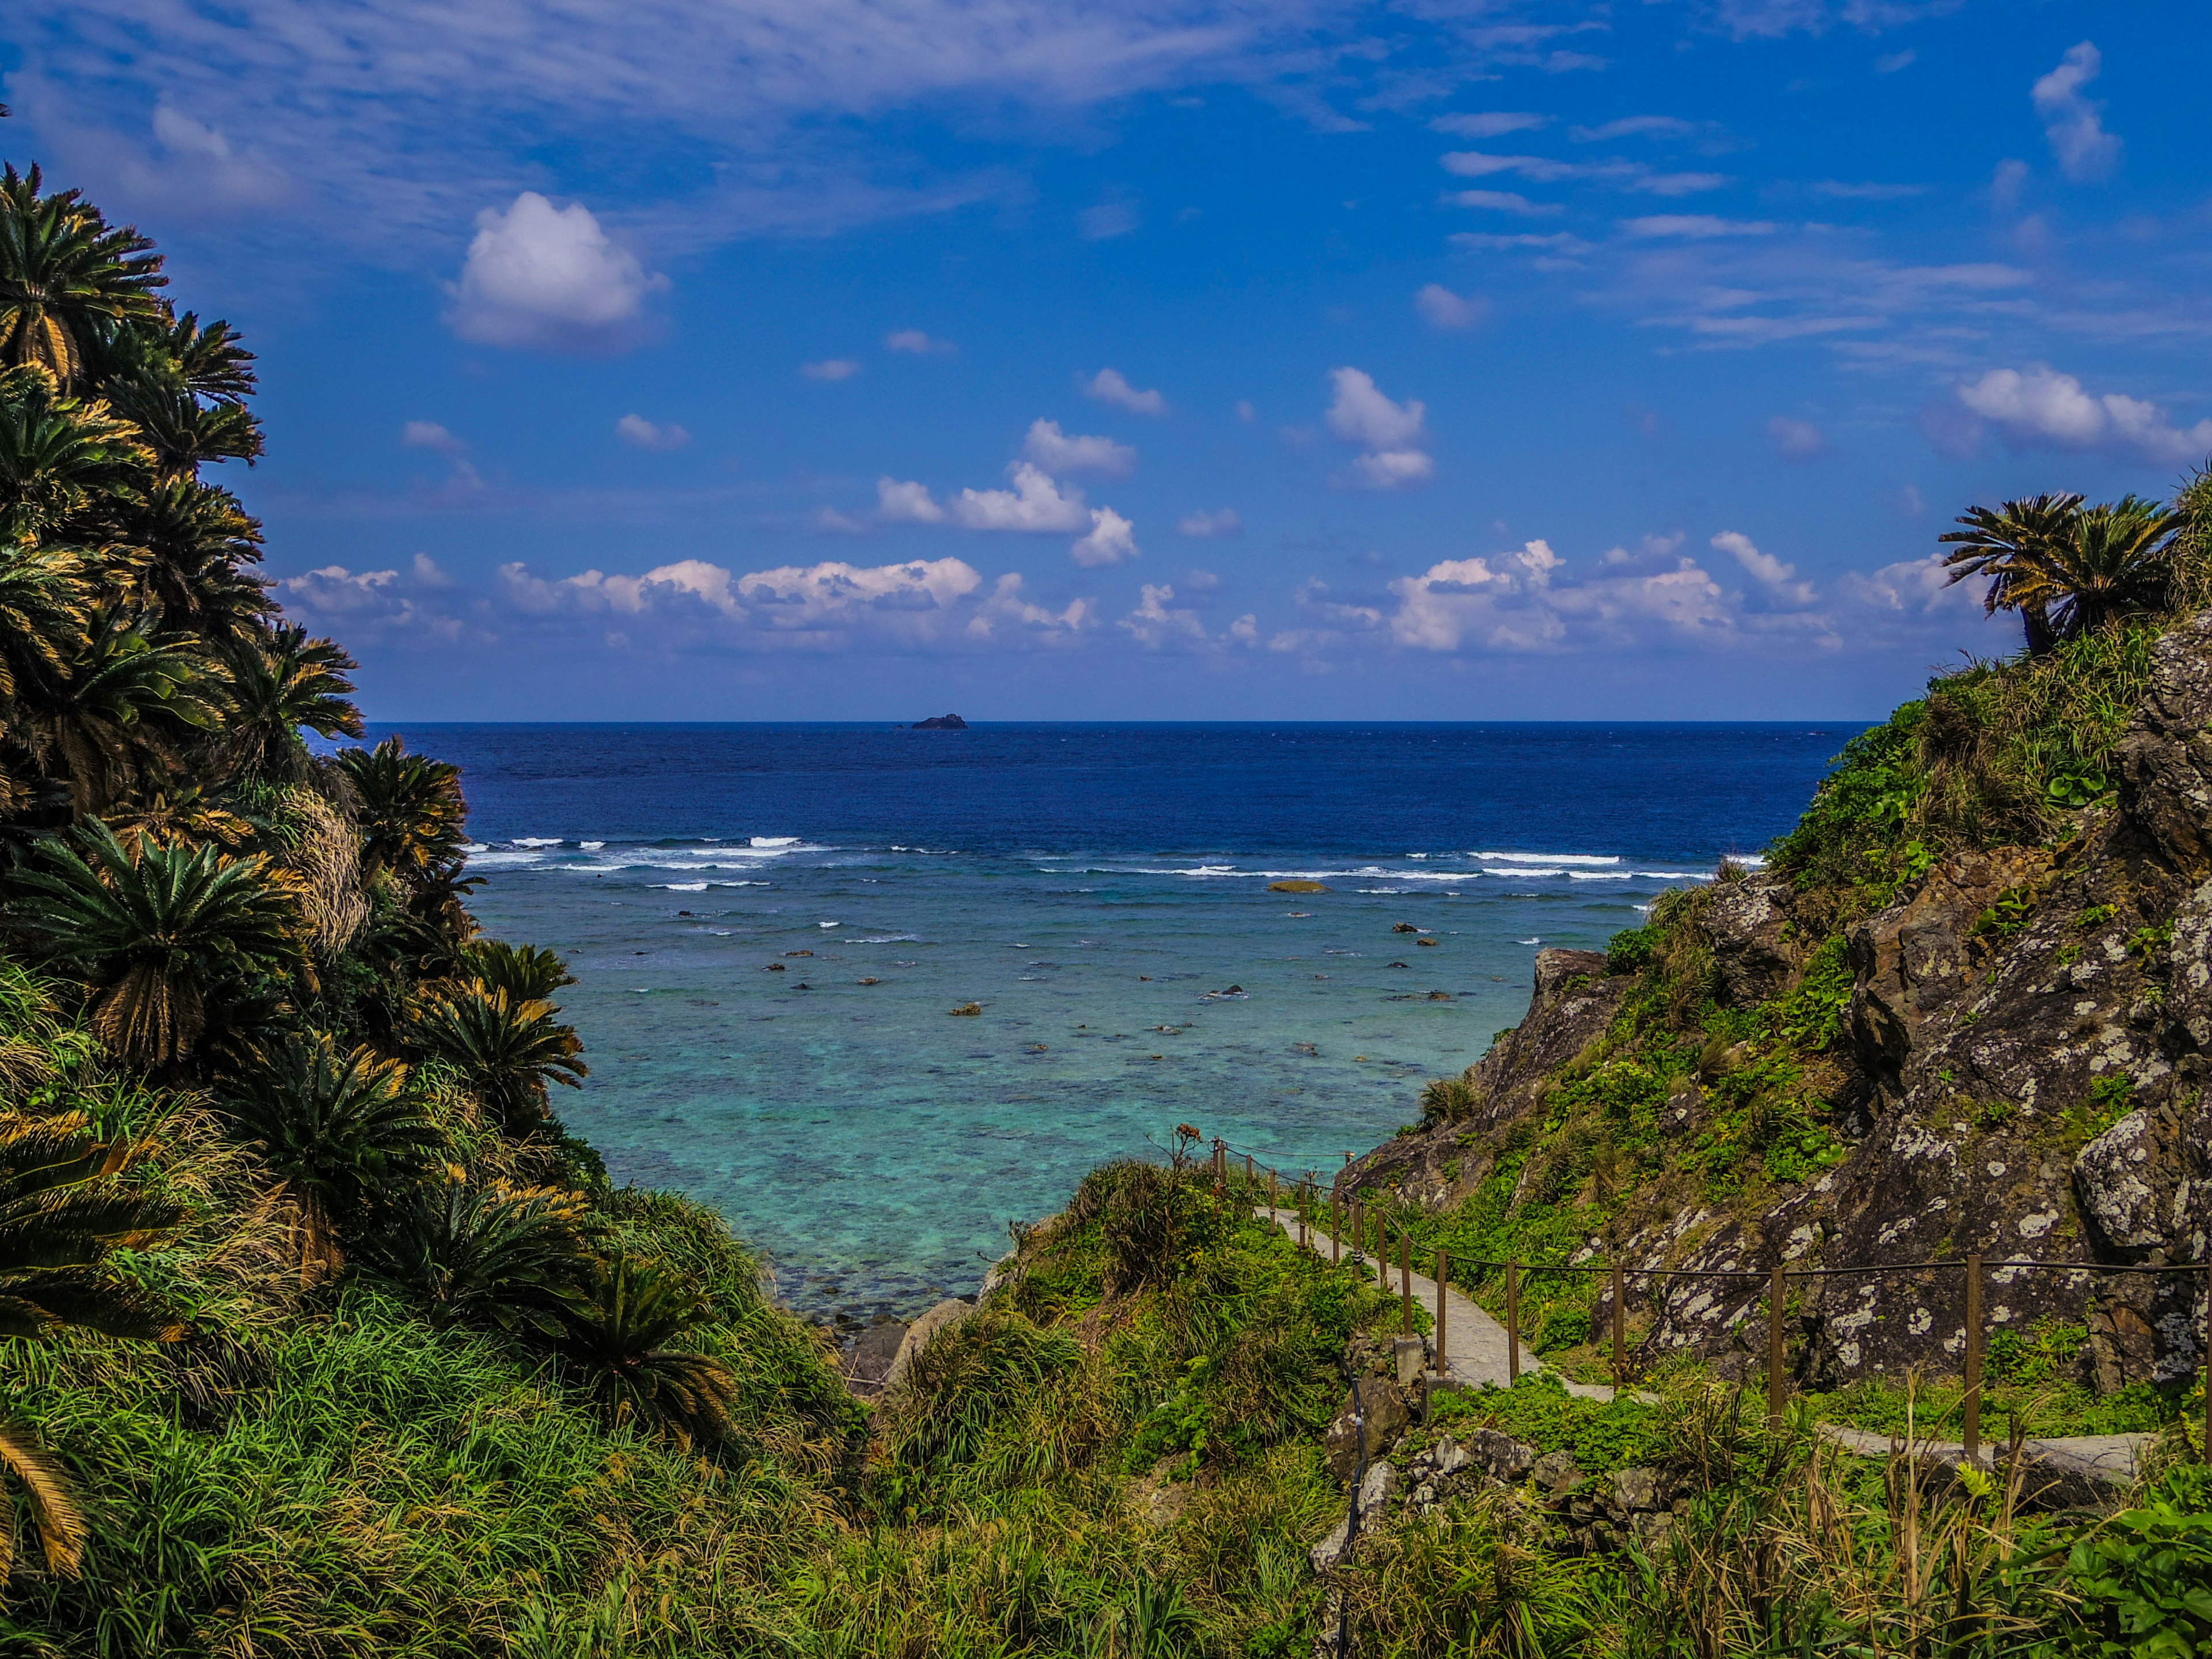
(1630, 948)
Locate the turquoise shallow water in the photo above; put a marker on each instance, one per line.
(1113, 921)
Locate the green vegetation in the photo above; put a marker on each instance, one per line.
(319, 1336)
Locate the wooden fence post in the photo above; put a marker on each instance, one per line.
(1406, 1279)
(1619, 1332)
(1248, 1177)
(1512, 1322)
(1774, 1350)
(1272, 1195)
(1306, 1197)
(1443, 1268)
(1335, 1226)
(1972, 1405)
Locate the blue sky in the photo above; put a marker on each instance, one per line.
(861, 359)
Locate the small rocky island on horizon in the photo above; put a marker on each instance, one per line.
(941, 723)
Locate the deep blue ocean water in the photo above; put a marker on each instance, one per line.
(1098, 890)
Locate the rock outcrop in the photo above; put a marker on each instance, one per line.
(2019, 1073)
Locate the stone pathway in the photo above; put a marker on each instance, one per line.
(1474, 1343)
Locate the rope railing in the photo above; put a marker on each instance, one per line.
(1367, 1222)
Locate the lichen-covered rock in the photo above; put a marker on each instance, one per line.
(1382, 1413)
(1746, 923)
(2124, 1189)
(1375, 1490)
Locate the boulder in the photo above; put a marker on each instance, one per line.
(940, 1319)
(1373, 1497)
(1387, 1415)
(1745, 924)
(869, 1358)
(2124, 1189)
(1500, 1455)
(1556, 1472)
(1636, 1489)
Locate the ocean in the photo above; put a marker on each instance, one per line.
(772, 925)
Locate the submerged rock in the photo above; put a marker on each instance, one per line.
(1296, 887)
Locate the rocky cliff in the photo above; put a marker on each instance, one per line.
(2013, 1061)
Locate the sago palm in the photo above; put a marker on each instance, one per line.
(413, 816)
(61, 1209)
(200, 551)
(65, 272)
(153, 932)
(109, 716)
(59, 456)
(506, 1050)
(618, 1338)
(44, 595)
(2118, 560)
(340, 1127)
(281, 682)
(487, 1254)
(527, 973)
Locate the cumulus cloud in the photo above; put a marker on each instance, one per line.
(375, 607)
(810, 605)
(1795, 440)
(1057, 453)
(540, 276)
(906, 503)
(1035, 504)
(830, 368)
(1109, 387)
(1202, 522)
(1153, 624)
(1107, 221)
(640, 434)
(2040, 408)
(1441, 308)
(1768, 570)
(2072, 124)
(1112, 538)
(1489, 125)
(1007, 605)
(915, 343)
(1392, 434)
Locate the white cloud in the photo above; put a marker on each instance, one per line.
(1006, 605)
(1637, 126)
(1545, 169)
(1112, 539)
(830, 368)
(373, 607)
(1108, 387)
(1562, 242)
(429, 434)
(1505, 201)
(2040, 408)
(640, 434)
(915, 343)
(1795, 440)
(2007, 182)
(1361, 414)
(2071, 122)
(1441, 308)
(1107, 221)
(1034, 504)
(1392, 469)
(1769, 571)
(1892, 62)
(1057, 453)
(812, 604)
(1495, 124)
(1201, 523)
(1204, 581)
(1154, 625)
(1245, 630)
(541, 276)
(1245, 413)
(1391, 433)
(906, 503)
(1695, 227)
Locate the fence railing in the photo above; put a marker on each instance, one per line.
(1366, 1223)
